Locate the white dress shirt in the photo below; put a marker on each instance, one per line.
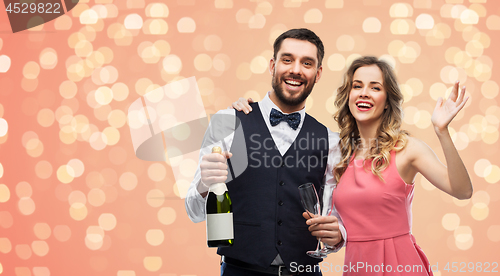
(283, 136)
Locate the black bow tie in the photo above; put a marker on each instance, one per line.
(292, 119)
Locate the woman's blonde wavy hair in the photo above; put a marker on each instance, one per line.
(390, 136)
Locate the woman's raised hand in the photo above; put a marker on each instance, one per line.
(446, 110)
(243, 104)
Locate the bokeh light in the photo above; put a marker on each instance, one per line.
(450, 221)
(5, 245)
(107, 221)
(40, 248)
(96, 197)
(157, 10)
(78, 211)
(5, 63)
(155, 198)
(26, 206)
(6, 219)
(48, 58)
(258, 21)
(336, 62)
(313, 16)
(133, 22)
(23, 189)
(128, 181)
(4, 127)
(23, 251)
(62, 233)
(4, 193)
(166, 215)
(153, 263)
(31, 70)
(42, 230)
(372, 25)
(155, 237)
(186, 25)
(401, 10)
(463, 237)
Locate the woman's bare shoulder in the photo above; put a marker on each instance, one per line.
(414, 147)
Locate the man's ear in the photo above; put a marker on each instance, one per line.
(272, 64)
(319, 73)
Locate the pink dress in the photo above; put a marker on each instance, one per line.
(377, 218)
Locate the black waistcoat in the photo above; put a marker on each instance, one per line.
(267, 211)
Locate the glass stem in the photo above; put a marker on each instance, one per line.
(318, 246)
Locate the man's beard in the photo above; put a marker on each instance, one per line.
(278, 89)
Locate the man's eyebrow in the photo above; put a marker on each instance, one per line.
(286, 55)
(310, 59)
(290, 55)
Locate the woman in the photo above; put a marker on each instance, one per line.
(379, 162)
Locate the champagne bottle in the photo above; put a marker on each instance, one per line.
(219, 214)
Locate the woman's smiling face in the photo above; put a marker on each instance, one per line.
(368, 98)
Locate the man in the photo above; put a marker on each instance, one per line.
(283, 151)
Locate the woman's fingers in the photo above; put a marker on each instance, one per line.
(462, 94)
(454, 92)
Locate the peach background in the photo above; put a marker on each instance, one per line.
(74, 199)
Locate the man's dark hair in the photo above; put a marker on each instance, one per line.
(301, 34)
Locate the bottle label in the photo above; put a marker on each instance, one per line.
(218, 188)
(220, 227)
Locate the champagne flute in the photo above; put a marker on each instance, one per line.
(311, 203)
